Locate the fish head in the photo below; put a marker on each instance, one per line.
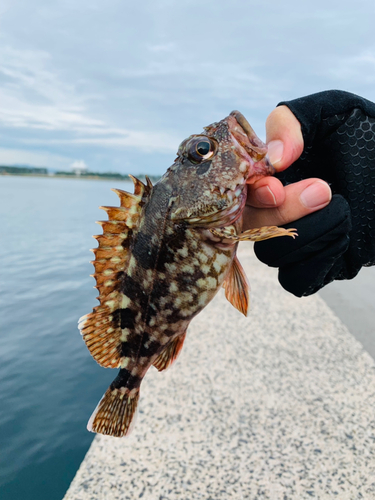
(210, 174)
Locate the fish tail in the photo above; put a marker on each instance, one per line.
(115, 413)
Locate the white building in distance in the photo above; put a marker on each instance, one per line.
(79, 167)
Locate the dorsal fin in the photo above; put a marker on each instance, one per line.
(149, 183)
(101, 329)
(139, 188)
(126, 199)
(237, 287)
(170, 353)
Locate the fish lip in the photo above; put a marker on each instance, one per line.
(254, 147)
(256, 144)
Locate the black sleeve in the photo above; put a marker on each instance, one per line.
(339, 146)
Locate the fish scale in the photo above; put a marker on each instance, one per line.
(164, 254)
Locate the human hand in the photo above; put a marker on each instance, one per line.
(269, 203)
(338, 146)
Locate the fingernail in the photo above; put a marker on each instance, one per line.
(275, 151)
(316, 195)
(265, 196)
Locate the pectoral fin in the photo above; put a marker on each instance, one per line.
(265, 233)
(258, 234)
(170, 353)
(237, 287)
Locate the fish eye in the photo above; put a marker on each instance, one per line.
(200, 149)
(203, 148)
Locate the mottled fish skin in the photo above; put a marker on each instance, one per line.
(178, 246)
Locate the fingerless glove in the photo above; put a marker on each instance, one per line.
(339, 147)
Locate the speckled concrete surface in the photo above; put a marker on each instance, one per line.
(280, 405)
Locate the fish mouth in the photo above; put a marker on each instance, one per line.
(254, 147)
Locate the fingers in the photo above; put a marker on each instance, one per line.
(269, 203)
(266, 192)
(290, 203)
(284, 138)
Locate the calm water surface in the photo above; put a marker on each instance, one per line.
(49, 382)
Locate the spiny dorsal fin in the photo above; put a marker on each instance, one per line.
(237, 287)
(139, 188)
(123, 214)
(126, 199)
(170, 353)
(149, 183)
(101, 329)
(111, 226)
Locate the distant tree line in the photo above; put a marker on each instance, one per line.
(23, 170)
(106, 175)
(87, 173)
(44, 171)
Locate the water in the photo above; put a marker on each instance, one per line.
(49, 382)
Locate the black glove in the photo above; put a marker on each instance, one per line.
(339, 147)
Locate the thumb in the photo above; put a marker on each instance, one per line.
(284, 138)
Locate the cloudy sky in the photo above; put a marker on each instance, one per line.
(118, 84)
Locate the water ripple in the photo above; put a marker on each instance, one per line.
(49, 382)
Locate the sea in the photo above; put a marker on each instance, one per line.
(49, 383)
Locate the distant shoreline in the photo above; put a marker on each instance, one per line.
(75, 177)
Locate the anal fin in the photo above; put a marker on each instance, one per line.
(170, 353)
(237, 287)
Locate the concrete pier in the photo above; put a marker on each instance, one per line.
(279, 405)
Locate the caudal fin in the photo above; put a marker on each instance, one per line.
(114, 414)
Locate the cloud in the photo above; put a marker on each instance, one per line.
(119, 138)
(356, 68)
(162, 47)
(133, 139)
(127, 80)
(79, 164)
(57, 107)
(33, 158)
(33, 96)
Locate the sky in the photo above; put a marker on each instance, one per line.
(116, 85)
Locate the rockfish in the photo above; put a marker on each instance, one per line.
(165, 253)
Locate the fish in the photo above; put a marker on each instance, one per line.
(163, 255)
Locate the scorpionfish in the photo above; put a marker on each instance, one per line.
(163, 255)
